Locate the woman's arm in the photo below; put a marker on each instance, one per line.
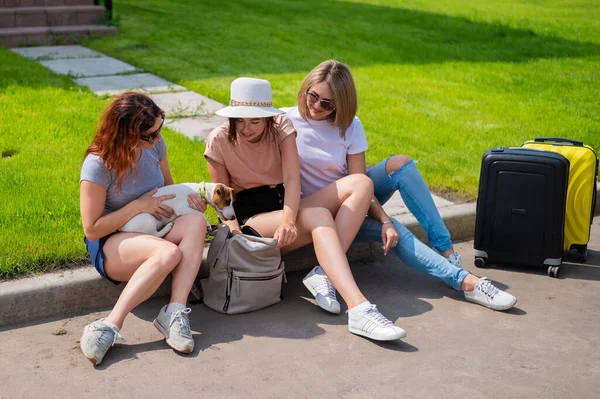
(389, 235)
(166, 171)
(291, 179)
(194, 200)
(92, 198)
(219, 174)
(286, 233)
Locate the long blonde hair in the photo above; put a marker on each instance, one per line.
(339, 79)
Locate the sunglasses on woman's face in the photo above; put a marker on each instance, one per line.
(313, 98)
(150, 138)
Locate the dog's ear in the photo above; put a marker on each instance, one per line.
(232, 195)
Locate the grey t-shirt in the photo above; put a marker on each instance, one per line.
(149, 176)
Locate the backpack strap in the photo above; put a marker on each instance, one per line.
(217, 245)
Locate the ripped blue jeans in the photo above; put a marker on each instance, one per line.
(410, 249)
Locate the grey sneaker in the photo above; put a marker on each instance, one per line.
(321, 288)
(176, 329)
(97, 339)
(455, 259)
(486, 294)
(372, 324)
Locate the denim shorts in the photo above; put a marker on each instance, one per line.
(96, 252)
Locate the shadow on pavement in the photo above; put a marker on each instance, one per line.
(126, 352)
(568, 270)
(297, 317)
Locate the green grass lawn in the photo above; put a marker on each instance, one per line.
(46, 124)
(442, 81)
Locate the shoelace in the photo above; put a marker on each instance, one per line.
(484, 285)
(182, 321)
(455, 259)
(103, 338)
(327, 288)
(374, 315)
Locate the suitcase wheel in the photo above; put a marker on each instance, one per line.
(580, 252)
(582, 256)
(481, 262)
(553, 271)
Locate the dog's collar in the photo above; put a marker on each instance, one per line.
(202, 190)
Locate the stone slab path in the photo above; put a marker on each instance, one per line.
(188, 112)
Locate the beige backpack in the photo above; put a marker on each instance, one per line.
(246, 273)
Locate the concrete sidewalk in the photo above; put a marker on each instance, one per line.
(547, 347)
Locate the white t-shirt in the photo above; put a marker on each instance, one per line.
(322, 151)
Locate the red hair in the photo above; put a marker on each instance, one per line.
(120, 127)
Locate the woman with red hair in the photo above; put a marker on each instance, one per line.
(123, 167)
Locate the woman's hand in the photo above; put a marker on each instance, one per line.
(154, 206)
(196, 202)
(285, 234)
(389, 237)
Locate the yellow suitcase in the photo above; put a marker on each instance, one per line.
(581, 190)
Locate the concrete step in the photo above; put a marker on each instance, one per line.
(46, 35)
(42, 3)
(16, 17)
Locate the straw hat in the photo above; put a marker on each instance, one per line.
(250, 98)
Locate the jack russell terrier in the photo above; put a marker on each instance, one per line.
(217, 195)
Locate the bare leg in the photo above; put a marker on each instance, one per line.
(468, 284)
(145, 261)
(188, 233)
(348, 199)
(142, 260)
(317, 225)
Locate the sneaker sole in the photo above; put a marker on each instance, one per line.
(167, 338)
(364, 334)
(319, 303)
(91, 359)
(507, 307)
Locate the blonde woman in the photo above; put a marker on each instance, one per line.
(255, 154)
(331, 145)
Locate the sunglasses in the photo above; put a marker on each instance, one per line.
(313, 98)
(150, 138)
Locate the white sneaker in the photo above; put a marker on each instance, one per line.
(372, 324)
(489, 296)
(97, 339)
(176, 329)
(321, 288)
(455, 259)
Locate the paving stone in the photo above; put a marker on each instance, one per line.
(84, 67)
(199, 127)
(187, 103)
(57, 52)
(117, 84)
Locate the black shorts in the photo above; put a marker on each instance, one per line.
(257, 200)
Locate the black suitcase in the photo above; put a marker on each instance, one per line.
(521, 208)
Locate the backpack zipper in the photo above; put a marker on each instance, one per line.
(266, 278)
(228, 290)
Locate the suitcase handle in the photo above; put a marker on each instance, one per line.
(559, 140)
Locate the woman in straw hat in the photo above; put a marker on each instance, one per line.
(331, 144)
(255, 153)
